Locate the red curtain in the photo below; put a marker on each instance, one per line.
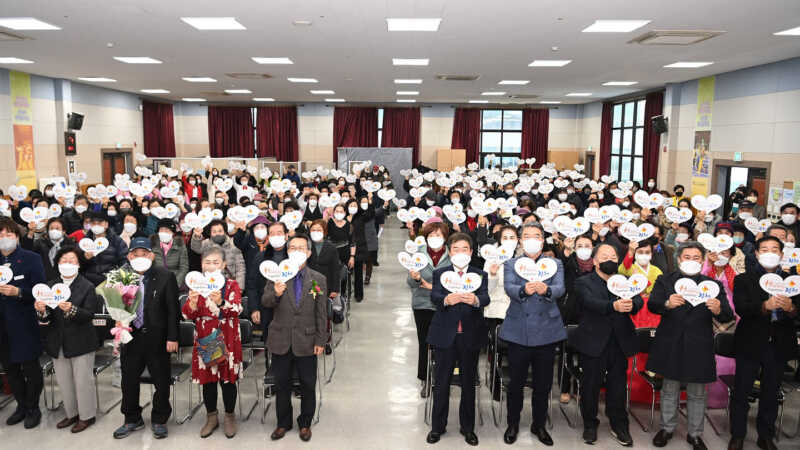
(466, 132)
(653, 106)
(401, 129)
(535, 129)
(354, 127)
(605, 139)
(159, 129)
(230, 131)
(276, 132)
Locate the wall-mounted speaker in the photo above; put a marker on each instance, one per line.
(660, 124)
(74, 121)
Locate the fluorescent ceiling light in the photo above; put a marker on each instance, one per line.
(26, 23)
(238, 91)
(579, 94)
(303, 80)
(193, 99)
(407, 92)
(263, 99)
(137, 60)
(789, 32)
(615, 26)
(410, 61)
(516, 82)
(688, 64)
(408, 81)
(406, 100)
(493, 93)
(413, 24)
(335, 100)
(550, 102)
(323, 92)
(263, 60)
(620, 83)
(214, 23)
(199, 79)
(479, 101)
(98, 79)
(550, 63)
(13, 60)
(155, 91)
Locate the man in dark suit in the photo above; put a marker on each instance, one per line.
(155, 336)
(457, 333)
(605, 339)
(297, 335)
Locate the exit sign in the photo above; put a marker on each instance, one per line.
(737, 156)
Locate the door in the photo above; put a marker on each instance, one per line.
(114, 163)
(728, 177)
(588, 168)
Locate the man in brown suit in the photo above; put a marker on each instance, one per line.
(297, 334)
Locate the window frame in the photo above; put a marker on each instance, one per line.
(498, 155)
(380, 125)
(616, 150)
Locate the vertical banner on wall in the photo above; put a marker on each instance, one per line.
(701, 158)
(22, 120)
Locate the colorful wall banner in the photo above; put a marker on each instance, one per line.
(22, 120)
(701, 157)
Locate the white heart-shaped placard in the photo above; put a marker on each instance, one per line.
(468, 282)
(532, 270)
(205, 284)
(282, 272)
(626, 287)
(51, 296)
(96, 246)
(413, 262)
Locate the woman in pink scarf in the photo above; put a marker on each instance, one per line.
(716, 266)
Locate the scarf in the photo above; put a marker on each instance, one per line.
(436, 255)
(585, 266)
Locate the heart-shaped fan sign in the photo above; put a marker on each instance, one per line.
(237, 214)
(456, 217)
(468, 282)
(620, 193)
(411, 246)
(497, 254)
(715, 244)
(626, 287)
(251, 212)
(17, 192)
(707, 204)
(172, 211)
(646, 200)
(404, 216)
(696, 293)
(6, 275)
(593, 215)
(413, 262)
(386, 194)
(192, 221)
(80, 177)
(205, 216)
(636, 233)
(532, 270)
(96, 246)
(224, 184)
(51, 296)
(515, 221)
(417, 192)
(54, 211)
(26, 214)
(415, 182)
(773, 284)
(561, 183)
(399, 202)
(757, 226)
(418, 213)
(571, 228)
(292, 220)
(623, 216)
(205, 284)
(676, 215)
(282, 272)
(545, 188)
(159, 212)
(791, 256)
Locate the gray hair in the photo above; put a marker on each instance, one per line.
(212, 250)
(536, 225)
(689, 245)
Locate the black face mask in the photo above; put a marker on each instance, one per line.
(220, 239)
(609, 267)
(678, 193)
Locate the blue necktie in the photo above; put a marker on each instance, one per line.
(138, 322)
(298, 289)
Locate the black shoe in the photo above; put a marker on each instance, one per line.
(359, 300)
(736, 444)
(33, 418)
(510, 436)
(17, 417)
(424, 391)
(543, 435)
(366, 281)
(623, 437)
(433, 437)
(766, 444)
(696, 442)
(662, 438)
(470, 437)
(375, 264)
(589, 435)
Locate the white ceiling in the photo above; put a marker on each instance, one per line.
(349, 50)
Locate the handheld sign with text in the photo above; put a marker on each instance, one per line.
(282, 272)
(773, 284)
(458, 284)
(51, 296)
(413, 262)
(205, 284)
(626, 287)
(96, 246)
(696, 293)
(531, 270)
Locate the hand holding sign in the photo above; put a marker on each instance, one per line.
(624, 287)
(531, 270)
(51, 296)
(6, 275)
(412, 262)
(278, 273)
(696, 293)
(205, 284)
(773, 284)
(460, 284)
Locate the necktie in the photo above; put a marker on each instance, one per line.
(138, 322)
(298, 289)
(460, 330)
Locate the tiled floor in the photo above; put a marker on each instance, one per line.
(372, 403)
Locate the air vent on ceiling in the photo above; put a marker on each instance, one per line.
(674, 37)
(5, 36)
(249, 76)
(214, 93)
(523, 96)
(457, 77)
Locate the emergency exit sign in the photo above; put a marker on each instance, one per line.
(737, 156)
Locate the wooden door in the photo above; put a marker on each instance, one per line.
(113, 163)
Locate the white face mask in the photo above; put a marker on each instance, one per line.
(562, 197)
(55, 235)
(339, 216)
(721, 261)
(317, 236)
(510, 244)
(636, 216)
(112, 213)
(260, 233)
(689, 267)
(745, 215)
(80, 209)
(472, 213)
(165, 237)
(219, 200)
(298, 257)
(769, 260)
(681, 237)
(145, 210)
(583, 253)
(277, 241)
(352, 210)
(98, 229)
(364, 206)
(642, 259)
(435, 242)
(460, 260)
(789, 245)
(604, 231)
(788, 219)
(650, 184)
(231, 227)
(68, 270)
(709, 218)
(129, 227)
(532, 246)
(141, 264)
(8, 243)
(312, 203)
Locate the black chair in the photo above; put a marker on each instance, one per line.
(6, 398)
(454, 381)
(104, 356)
(645, 337)
(246, 329)
(570, 366)
(329, 345)
(791, 384)
(182, 299)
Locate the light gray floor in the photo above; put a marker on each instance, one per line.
(372, 403)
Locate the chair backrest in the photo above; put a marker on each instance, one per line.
(724, 345)
(645, 337)
(103, 323)
(182, 299)
(246, 330)
(185, 333)
(571, 331)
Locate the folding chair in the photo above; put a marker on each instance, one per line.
(49, 372)
(790, 385)
(645, 337)
(269, 386)
(6, 398)
(104, 356)
(329, 347)
(246, 329)
(454, 381)
(570, 366)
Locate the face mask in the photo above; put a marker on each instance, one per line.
(454, 200)
(650, 184)
(193, 205)
(681, 237)
(312, 203)
(689, 267)
(678, 193)
(165, 237)
(364, 206)
(124, 210)
(112, 213)
(509, 192)
(352, 210)
(55, 235)
(219, 200)
(642, 259)
(738, 239)
(260, 233)
(435, 242)
(752, 199)
(80, 209)
(145, 210)
(427, 202)
(600, 195)
(192, 182)
(141, 264)
(297, 257)
(626, 203)
(721, 261)
(636, 216)
(745, 215)
(509, 244)
(277, 241)
(769, 260)
(218, 239)
(709, 218)
(608, 267)
(48, 193)
(603, 231)
(68, 270)
(317, 236)
(339, 216)
(460, 260)
(98, 229)
(129, 228)
(788, 219)
(472, 213)
(532, 246)
(562, 197)
(243, 181)
(789, 245)
(583, 253)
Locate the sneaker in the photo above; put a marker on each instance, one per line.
(623, 437)
(33, 418)
(589, 435)
(127, 429)
(159, 430)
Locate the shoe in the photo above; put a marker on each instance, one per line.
(305, 434)
(230, 425)
(766, 444)
(128, 428)
(159, 430)
(67, 422)
(212, 423)
(565, 398)
(696, 442)
(736, 444)
(543, 435)
(359, 300)
(589, 435)
(366, 281)
(662, 438)
(433, 437)
(470, 437)
(17, 417)
(510, 436)
(279, 433)
(623, 437)
(33, 418)
(82, 425)
(423, 393)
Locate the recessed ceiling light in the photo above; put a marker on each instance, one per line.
(137, 60)
(410, 61)
(193, 99)
(302, 23)
(789, 32)
(26, 23)
(98, 79)
(579, 94)
(13, 60)
(303, 80)
(406, 100)
(413, 24)
(620, 83)
(238, 91)
(493, 93)
(615, 26)
(262, 60)
(550, 63)
(335, 100)
(517, 82)
(408, 81)
(407, 92)
(550, 102)
(479, 101)
(263, 99)
(688, 64)
(199, 79)
(155, 91)
(323, 92)
(214, 23)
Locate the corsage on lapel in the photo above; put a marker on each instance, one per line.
(315, 289)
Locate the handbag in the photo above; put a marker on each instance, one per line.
(212, 349)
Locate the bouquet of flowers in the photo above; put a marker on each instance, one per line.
(121, 294)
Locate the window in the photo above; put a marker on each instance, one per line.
(380, 125)
(627, 140)
(501, 137)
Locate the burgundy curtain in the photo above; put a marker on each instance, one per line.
(354, 127)
(653, 106)
(230, 131)
(159, 129)
(401, 129)
(605, 139)
(535, 129)
(276, 132)
(466, 132)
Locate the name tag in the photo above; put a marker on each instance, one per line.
(19, 277)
